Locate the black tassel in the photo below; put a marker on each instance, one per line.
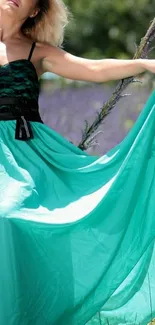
(23, 129)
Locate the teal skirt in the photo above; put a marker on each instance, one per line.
(77, 232)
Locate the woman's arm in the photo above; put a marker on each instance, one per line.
(72, 67)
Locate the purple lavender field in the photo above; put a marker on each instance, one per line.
(65, 110)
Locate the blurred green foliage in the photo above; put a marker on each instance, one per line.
(107, 28)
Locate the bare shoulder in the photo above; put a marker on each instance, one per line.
(57, 60)
(49, 56)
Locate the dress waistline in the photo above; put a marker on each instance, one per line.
(23, 111)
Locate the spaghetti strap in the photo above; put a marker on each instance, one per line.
(31, 51)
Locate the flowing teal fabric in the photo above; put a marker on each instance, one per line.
(77, 232)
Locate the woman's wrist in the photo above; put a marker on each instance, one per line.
(144, 63)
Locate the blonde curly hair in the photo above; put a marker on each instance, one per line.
(48, 26)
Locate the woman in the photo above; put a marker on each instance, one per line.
(76, 231)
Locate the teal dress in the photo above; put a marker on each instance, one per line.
(77, 232)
